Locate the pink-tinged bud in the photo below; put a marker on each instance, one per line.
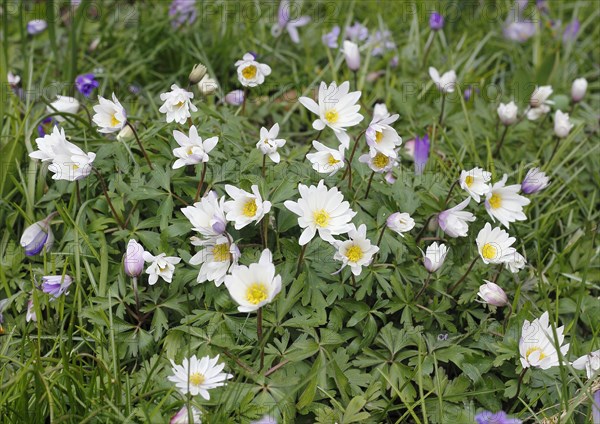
(400, 223)
(492, 294)
(133, 260)
(352, 55)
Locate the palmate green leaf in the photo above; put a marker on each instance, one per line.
(352, 414)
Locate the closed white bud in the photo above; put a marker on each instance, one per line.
(207, 85)
(508, 113)
(578, 89)
(197, 73)
(352, 55)
(125, 134)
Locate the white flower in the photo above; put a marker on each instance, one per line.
(192, 149)
(356, 252)
(434, 256)
(13, 79)
(590, 363)
(218, 254)
(254, 286)
(30, 315)
(125, 134)
(177, 104)
(337, 109)
(323, 210)
(508, 113)
(504, 203)
(207, 85)
(445, 83)
(250, 72)
(162, 266)
(182, 416)
(494, 246)
(475, 182)
(110, 116)
(539, 103)
(378, 161)
(516, 263)
(400, 223)
(64, 104)
(351, 55)
(207, 216)
(578, 89)
(562, 124)
(198, 376)
(453, 221)
(269, 143)
(381, 137)
(492, 294)
(534, 181)
(537, 345)
(245, 207)
(68, 162)
(326, 160)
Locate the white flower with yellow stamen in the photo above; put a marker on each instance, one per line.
(321, 210)
(250, 72)
(356, 252)
(337, 109)
(162, 266)
(110, 116)
(475, 182)
(269, 143)
(192, 149)
(177, 104)
(207, 216)
(198, 376)
(216, 257)
(254, 286)
(505, 204)
(245, 207)
(494, 246)
(378, 161)
(326, 160)
(453, 221)
(381, 137)
(537, 345)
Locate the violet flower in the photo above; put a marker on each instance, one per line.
(331, 38)
(234, 98)
(45, 127)
(436, 21)
(86, 84)
(571, 31)
(56, 285)
(500, 417)
(357, 32)
(421, 153)
(182, 12)
(38, 236)
(381, 42)
(36, 26)
(285, 21)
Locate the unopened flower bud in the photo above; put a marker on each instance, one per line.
(133, 260)
(492, 294)
(207, 85)
(197, 73)
(125, 134)
(38, 236)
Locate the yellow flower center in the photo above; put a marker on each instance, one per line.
(189, 150)
(196, 379)
(75, 167)
(380, 160)
(354, 253)
(179, 104)
(321, 218)
(534, 349)
(495, 201)
(469, 180)
(332, 161)
(114, 122)
(249, 72)
(488, 251)
(256, 293)
(221, 252)
(249, 208)
(162, 268)
(378, 136)
(332, 116)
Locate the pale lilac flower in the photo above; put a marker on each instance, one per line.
(38, 236)
(534, 181)
(331, 38)
(421, 153)
(492, 294)
(436, 21)
(285, 21)
(182, 416)
(182, 12)
(30, 315)
(13, 79)
(36, 26)
(453, 221)
(381, 42)
(571, 31)
(234, 98)
(516, 28)
(86, 84)
(596, 408)
(133, 259)
(500, 417)
(357, 32)
(56, 285)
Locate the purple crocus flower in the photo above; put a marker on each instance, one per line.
(500, 417)
(45, 127)
(331, 38)
(596, 408)
(357, 32)
(56, 285)
(381, 42)
(86, 83)
(571, 31)
(182, 12)
(36, 26)
(421, 153)
(436, 21)
(285, 21)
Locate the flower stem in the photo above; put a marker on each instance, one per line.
(244, 100)
(424, 286)
(454, 184)
(259, 335)
(105, 191)
(300, 259)
(201, 182)
(520, 381)
(424, 228)
(369, 185)
(442, 110)
(451, 289)
(265, 229)
(264, 165)
(349, 169)
(137, 296)
(501, 141)
(428, 45)
(137, 138)
(554, 150)
(508, 314)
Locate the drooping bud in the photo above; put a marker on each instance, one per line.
(197, 73)
(38, 236)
